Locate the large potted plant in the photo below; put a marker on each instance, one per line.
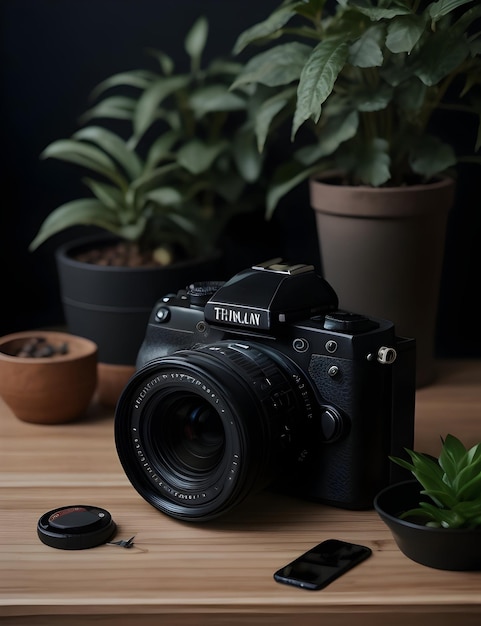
(363, 87)
(169, 158)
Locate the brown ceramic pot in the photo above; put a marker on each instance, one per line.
(382, 251)
(48, 389)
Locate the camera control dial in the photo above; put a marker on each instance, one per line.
(199, 293)
(345, 322)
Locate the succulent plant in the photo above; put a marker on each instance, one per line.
(452, 482)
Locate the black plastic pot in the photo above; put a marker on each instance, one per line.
(440, 548)
(111, 305)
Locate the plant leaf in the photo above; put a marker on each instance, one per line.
(263, 29)
(111, 196)
(286, 178)
(161, 149)
(195, 41)
(197, 157)
(431, 156)
(215, 98)
(369, 161)
(85, 155)
(115, 146)
(139, 79)
(115, 107)
(317, 80)
(89, 211)
(150, 100)
(430, 66)
(332, 135)
(404, 32)
(267, 111)
(280, 65)
(165, 196)
(366, 51)
(246, 155)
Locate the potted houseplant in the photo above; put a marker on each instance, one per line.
(363, 87)
(169, 158)
(436, 518)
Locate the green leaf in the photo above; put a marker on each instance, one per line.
(224, 68)
(317, 80)
(366, 51)
(267, 111)
(453, 457)
(430, 66)
(369, 162)
(431, 156)
(215, 98)
(149, 181)
(150, 100)
(266, 28)
(90, 212)
(165, 196)
(246, 155)
(280, 65)
(115, 107)
(139, 79)
(468, 482)
(197, 157)
(446, 518)
(85, 155)
(404, 32)
(195, 41)
(443, 7)
(111, 196)
(468, 509)
(161, 148)
(114, 145)
(333, 134)
(286, 178)
(163, 59)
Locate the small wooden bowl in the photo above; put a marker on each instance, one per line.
(49, 389)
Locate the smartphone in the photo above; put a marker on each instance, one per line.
(320, 565)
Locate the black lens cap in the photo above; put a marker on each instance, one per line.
(76, 527)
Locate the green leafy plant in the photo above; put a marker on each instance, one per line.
(363, 80)
(171, 157)
(452, 482)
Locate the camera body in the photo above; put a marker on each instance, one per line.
(333, 391)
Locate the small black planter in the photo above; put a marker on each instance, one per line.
(441, 548)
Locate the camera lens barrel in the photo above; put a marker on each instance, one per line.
(199, 430)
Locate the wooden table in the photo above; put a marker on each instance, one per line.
(220, 573)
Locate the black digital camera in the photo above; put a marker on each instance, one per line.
(262, 380)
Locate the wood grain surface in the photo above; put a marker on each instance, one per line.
(180, 573)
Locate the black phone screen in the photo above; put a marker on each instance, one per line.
(319, 566)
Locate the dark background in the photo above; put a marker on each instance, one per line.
(53, 52)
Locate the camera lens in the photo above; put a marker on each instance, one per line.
(191, 437)
(199, 430)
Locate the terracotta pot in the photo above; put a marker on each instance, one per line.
(382, 251)
(441, 548)
(51, 389)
